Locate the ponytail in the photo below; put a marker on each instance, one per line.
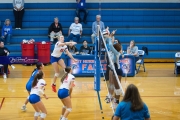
(63, 77)
(38, 76)
(67, 70)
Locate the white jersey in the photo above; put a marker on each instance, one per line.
(39, 88)
(58, 50)
(67, 81)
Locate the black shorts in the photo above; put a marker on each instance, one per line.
(118, 71)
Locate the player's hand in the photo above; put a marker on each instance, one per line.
(75, 60)
(73, 43)
(53, 88)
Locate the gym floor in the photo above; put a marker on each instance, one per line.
(158, 86)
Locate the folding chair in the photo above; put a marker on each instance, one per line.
(177, 63)
(140, 62)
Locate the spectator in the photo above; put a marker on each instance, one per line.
(55, 29)
(81, 7)
(75, 30)
(72, 48)
(6, 32)
(4, 60)
(132, 107)
(94, 27)
(18, 12)
(133, 50)
(85, 49)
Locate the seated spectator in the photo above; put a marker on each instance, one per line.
(6, 32)
(4, 52)
(94, 27)
(75, 30)
(81, 7)
(133, 50)
(72, 49)
(132, 107)
(85, 49)
(55, 30)
(18, 12)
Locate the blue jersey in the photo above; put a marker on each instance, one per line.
(124, 112)
(29, 83)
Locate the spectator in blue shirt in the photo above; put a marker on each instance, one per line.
(94, 27)
(132, 107)
(81, 7)
(6, 32)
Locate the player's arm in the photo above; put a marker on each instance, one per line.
(67, 43)
(70, 55)
(41, 90)
(71, 87)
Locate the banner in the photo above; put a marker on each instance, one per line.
(87, 66)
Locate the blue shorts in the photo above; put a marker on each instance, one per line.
(29, 86)
(63, 93)
(33, 98)
(55, 59)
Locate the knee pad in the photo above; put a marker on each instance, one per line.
(36, 114)
(64, 107)
(56, 74)
(69, 109)
(28, 97)
(118, 91)
(43, 115)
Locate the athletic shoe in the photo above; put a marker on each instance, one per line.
(108, 100)
(53, 88)
(23, 108)
(16, 28)
(4, 76)
(13, 67)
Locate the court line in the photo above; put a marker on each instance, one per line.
(2, 102)
(96, 96)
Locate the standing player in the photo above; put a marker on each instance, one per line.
(38, 87)
(39, 67)
(64, 92)
(115, 52)
(56, 59)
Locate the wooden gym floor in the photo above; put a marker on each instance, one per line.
(158, 86)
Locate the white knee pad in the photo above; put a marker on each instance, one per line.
(36, 114)
(118, 92)
(28, 97)
(69, 109)
(56, 74)
(43, 115)
(64, 107)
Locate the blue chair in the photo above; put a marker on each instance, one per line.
(177, 63)
(140, 62)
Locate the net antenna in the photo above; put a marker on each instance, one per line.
(111, 63)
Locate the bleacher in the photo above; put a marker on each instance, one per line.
(154, 25)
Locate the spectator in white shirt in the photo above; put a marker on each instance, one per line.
(75, 30)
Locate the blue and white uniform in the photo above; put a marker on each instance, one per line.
(29, 83)
(64, 87)
(57, 52)
(37, 91)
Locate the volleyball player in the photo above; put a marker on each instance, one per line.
(64, 92)
(115, 52)
(56, 59)
(38, 87)
(39, 67)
